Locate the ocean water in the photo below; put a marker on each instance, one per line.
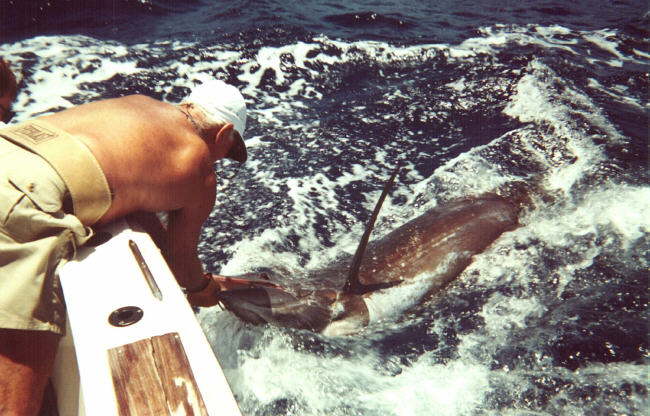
(470, 97)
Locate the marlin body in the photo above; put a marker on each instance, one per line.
(396, 273)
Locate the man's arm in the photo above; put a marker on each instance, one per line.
(26, 359)
(183, 232)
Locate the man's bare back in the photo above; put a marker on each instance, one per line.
(152, 156)
(155, 159)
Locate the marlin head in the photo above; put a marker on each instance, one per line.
(262, 305)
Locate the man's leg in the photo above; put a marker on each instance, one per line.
(26, 359)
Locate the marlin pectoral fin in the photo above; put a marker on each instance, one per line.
(353, 285)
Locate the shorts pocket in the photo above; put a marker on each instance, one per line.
(24, 219)
(45, 194)
(9, 199)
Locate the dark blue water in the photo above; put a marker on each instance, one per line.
(470, 97)
(405, 21)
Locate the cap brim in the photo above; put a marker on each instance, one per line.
(238, 149)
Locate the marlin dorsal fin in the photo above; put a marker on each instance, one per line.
(353, 285)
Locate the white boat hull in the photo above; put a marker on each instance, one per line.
(103, 279)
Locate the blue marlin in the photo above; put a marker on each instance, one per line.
(386, 276)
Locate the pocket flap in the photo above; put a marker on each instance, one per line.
(45, 194)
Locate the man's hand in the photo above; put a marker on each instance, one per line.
(207, 296)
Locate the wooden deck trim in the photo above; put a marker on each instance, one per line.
(153, 377)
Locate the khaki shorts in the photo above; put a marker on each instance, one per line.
(38, 234)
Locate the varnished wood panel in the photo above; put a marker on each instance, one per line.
(153, 377)
(176, 376)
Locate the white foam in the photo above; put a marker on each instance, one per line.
(605, 39)
(392, 303)
(502, 313)
(620, 93)
(59, 71)
(459, 85)
(325, 389)
(468, 174)
(623, 209)
(538, 101)
(254, 252)
(494, 38)
(614, 215)
(642, 54)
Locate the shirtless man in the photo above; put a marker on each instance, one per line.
(137, 155)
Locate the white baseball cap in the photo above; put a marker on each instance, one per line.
(224, 103)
